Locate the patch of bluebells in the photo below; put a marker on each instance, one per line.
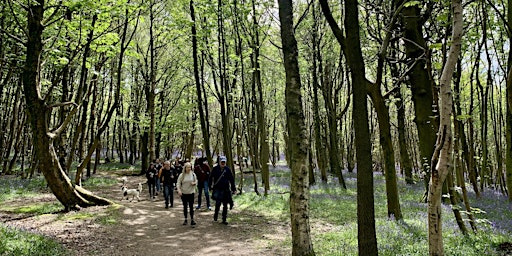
(500, 217)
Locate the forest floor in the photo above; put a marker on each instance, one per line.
(145, 227)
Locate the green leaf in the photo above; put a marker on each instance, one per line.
(412, 3)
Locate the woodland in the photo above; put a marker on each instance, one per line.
(420, 91)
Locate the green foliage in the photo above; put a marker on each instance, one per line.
(412, 3)
(96, 181)
(17, 243)
(16, 187)
(35, 208)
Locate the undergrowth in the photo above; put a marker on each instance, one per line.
(15, 242)
(333, 218)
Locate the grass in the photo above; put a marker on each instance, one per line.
(16, 242)
(19, 242)
(333, 218)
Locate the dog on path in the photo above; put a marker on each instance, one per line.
(127, 192)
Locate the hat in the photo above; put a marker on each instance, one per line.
(222, 159)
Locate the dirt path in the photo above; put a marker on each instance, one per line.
(154, 230)
(147, 228)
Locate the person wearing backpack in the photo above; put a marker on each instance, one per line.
(186, 184)
(222, 182)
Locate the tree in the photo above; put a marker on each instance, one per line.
(420, 79)
(70, 196)
(509, 106)
(441, 160)
(298, 145)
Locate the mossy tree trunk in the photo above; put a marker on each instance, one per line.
(39, 111)
(298, 145)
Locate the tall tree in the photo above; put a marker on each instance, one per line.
(70, 196)
(367, 239)
(298, 145)
(200, 106)
(508, 150)
(420, 79)
(366, 235)
(441, 160)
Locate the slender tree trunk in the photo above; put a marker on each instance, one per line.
(441, 159)
(508, 150)
(200, 104)
(393, 201)
(297, 141)
(260, 103)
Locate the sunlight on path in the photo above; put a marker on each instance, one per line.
(159, 231)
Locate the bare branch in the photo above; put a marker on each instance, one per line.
(62, 104)
(56, 132)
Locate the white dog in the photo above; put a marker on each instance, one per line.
(134, 193)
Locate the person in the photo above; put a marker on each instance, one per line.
(202, 171)
(158, 167)
(178, 167)
(186, 184)
(151, 176)
(167, 174)
(222, 183)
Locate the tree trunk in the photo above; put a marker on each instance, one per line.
(441, 160)
(297, 141)
(200, 104)
(393, 201)
(508, 151)
(421, 86)
(70, 196)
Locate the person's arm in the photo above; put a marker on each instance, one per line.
(178, 183)
(210, 180)
(232, 181)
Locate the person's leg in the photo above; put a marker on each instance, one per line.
(200, 191)
(206, 194)
(185, 210)
(149, 189)
(166, 196)
(191, 206)
(158, 186)
(224, 211)
(171, 195)
(217, 207)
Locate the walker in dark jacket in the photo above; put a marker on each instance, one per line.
(167, 175)
(223, 184)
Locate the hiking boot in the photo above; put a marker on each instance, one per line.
(198, 207)
(185, 222)
(224, 222)
(192, 223)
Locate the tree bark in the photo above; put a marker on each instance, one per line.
(200, 104)
(70, 196)
(393, 201)
(441, 160)
(297, 142)
(421, 86)
(508, 151)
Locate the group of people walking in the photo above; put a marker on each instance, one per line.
(185, 179)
